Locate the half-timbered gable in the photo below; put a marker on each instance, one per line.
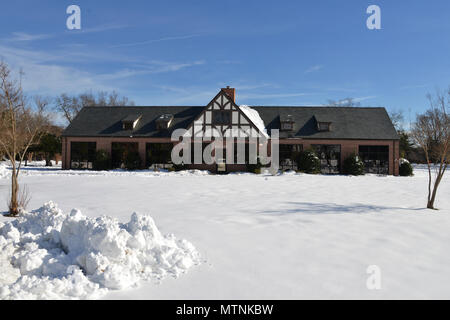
(222, 117)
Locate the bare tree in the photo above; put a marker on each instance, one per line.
(41, 103)
(19, 129)
(432, 133)
(69, 106)
(397, 119)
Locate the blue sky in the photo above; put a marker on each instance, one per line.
(272, 52)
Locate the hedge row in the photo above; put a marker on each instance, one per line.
(307, 162)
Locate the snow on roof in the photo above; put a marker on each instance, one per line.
(254, 117)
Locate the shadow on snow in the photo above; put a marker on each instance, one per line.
(333, 208)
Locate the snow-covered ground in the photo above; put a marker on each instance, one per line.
(290, 236)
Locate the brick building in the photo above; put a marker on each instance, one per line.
(333, 132)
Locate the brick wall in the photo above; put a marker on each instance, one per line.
(347, 148)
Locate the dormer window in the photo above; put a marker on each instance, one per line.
(323, 126)
(130, 122)
(286, 122)
(164, 121)
(287, 126)
(127, 125)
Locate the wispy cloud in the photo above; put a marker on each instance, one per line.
(274, 95)
(314, 68)
(201, 95)
(101, 28)
(22, 36)
(359, 99)
(49, 78)
(149, 69)
(244, 87)
(51, 74)
(156, 40)
(195, 96)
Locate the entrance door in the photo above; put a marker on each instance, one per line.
(220, 155)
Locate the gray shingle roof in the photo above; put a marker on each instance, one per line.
(346, 123)
(107, 121)
(132, 117)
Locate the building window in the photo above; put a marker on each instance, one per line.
(330, 157)
(127, 125)
(120, 152)
(375, 158)
(323, 126)
(82, 155)
(164, 121)
(130, 122)
(158, 154)
(287, 126)
(288, 155)
(221, 117)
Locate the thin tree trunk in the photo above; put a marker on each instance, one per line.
(440, 174)
(433, 195)
(14, 203)
(429, 203)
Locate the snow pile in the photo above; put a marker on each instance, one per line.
(146, 173)
(312, 155)
(254, 116)
(403, 160)
(47, 254)
(4, 172)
